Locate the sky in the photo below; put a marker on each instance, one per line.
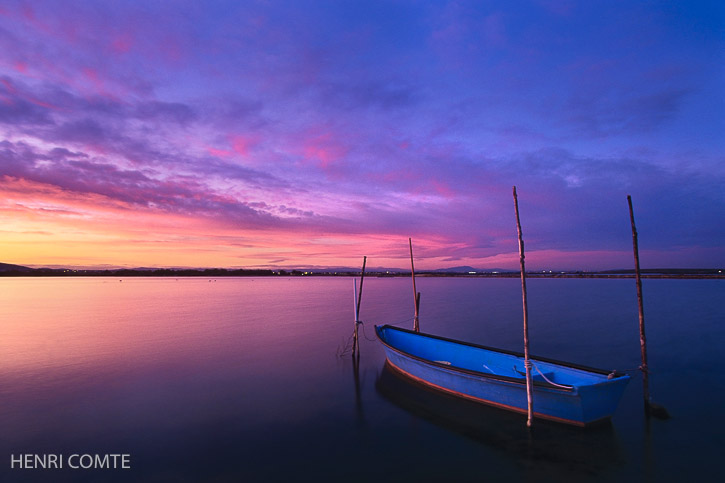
(312, 133)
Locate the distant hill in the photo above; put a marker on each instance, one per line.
(9, 267)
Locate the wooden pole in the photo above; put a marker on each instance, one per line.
(649, 406)
(416, 294)
(527, 362)
(642, 337)
(355, 337)
(355, 312)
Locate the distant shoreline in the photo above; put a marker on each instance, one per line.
(18, 271)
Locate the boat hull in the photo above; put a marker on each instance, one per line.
(585, 396)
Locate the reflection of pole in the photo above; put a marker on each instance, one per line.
(416, 294)
(356, 378)
(355, 338)
(527, 362)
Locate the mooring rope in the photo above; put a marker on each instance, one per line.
(365, 334)
(346, 346)
(542, 375)
(547, 379)
(392, 324)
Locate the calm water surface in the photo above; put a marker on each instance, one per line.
(240, 379)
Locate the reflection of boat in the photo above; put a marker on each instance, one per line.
(552, 451)
(562, 391)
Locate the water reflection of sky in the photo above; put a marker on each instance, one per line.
(200, 379)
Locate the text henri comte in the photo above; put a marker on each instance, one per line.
(74, 461)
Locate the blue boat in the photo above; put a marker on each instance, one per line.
(563, 392)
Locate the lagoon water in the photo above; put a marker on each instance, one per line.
(240, 379)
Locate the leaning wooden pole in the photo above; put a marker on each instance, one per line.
(642, 337)
(355, 313)
(355, 335)
(649, 407)
(416, 294)
(527, 362)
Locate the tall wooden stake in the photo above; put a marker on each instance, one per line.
(649, 407)
(355, 312)
(358, 299)
(416, 294)
(642, 337)
(527, 362)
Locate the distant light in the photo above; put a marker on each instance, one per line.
(472, 273)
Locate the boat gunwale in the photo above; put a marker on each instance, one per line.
(514, 380)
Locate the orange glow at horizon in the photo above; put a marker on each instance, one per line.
(43, 225)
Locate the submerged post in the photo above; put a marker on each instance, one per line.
(416, 294)
(649, 406)
(527, 362)
(358, 299)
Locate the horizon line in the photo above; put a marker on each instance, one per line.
(332, 269)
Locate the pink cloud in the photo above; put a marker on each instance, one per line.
(443, 189)
(91, 75)
(14, 91)
(30, 18)
(28, 12)
(241, 144)
(122, 43)
(324, 149)
(97, 148)
(9, 86)
(40, 200)
(219, 153)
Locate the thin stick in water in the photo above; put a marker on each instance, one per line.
(356, 339)
(527, 362)
(416, 294)
(649, 406)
